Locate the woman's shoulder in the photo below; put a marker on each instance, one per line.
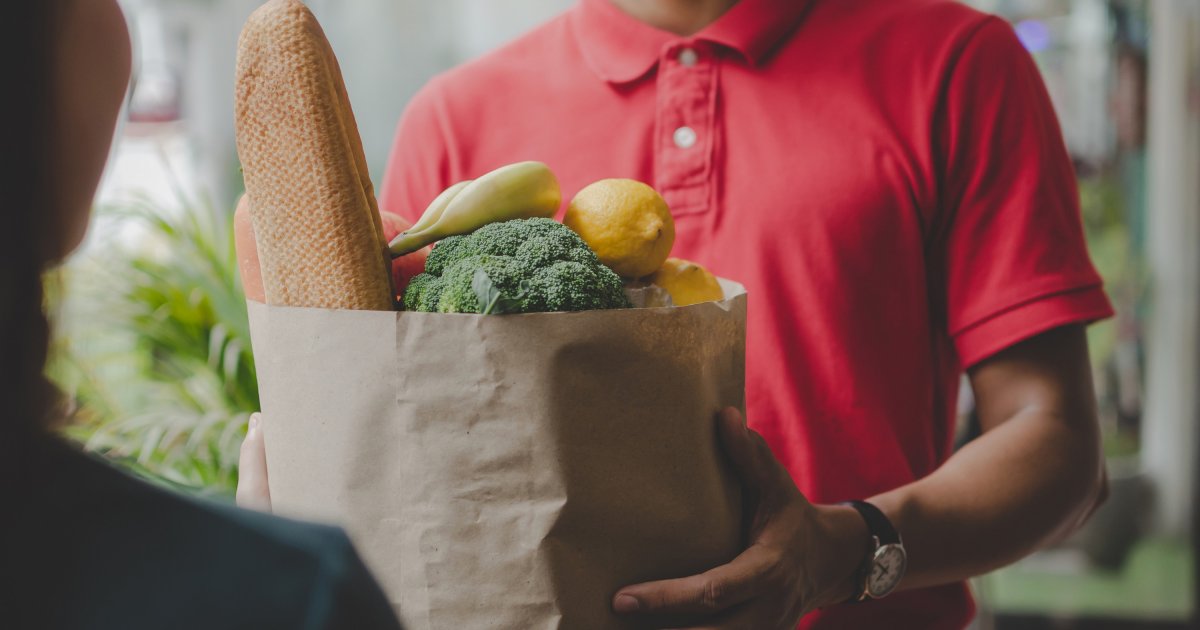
(98, 548)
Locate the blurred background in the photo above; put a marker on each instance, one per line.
(154, 345)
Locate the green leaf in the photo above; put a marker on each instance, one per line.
(492, 300)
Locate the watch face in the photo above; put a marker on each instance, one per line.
(890, 562)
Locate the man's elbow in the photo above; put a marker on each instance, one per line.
(1097, 493)
(1089, 488)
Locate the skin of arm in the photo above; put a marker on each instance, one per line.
(1034, 475)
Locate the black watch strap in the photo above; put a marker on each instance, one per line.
(878, 524)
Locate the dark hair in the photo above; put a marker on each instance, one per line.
(26, 216)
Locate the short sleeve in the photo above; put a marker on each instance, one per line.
(1015, 260)
(419, 165)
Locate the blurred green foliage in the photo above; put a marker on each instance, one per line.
(153, 344)
(1108, 243)
(1108, 221)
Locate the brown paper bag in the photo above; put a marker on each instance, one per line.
(508, 471)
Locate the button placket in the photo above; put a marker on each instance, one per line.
(686, 125)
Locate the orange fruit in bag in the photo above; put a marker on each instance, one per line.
(687, 282)
(627, 224)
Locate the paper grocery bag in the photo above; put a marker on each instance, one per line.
(508, 471)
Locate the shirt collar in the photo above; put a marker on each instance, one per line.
(620, 49)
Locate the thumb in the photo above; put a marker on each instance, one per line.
(742, 447)
(252, 490)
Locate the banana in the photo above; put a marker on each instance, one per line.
(437, 207)
(517, 191)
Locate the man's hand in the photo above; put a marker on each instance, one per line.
(800, 557)
(252, 490)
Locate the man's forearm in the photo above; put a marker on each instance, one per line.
(1031, 479)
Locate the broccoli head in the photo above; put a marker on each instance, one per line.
(423, 292)
(568, 285)
(506, 239)
(460, 290)
(518, 266)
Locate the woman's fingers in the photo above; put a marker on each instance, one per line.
(252, 490)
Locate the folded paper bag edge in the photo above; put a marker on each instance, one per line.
(734, 292)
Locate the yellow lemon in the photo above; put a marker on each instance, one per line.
(687, 282)
(626, 223)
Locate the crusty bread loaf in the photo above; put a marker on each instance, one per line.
(404, 268)
(316, 224)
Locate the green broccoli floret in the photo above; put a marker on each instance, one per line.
(543, 249)
(423, 292)
(571, 286)
(506, 239)
(461, 294)
(519, 266)
(445, 253)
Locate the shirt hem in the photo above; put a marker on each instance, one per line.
(1013, 325)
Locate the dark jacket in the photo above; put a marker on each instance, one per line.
(83, 545)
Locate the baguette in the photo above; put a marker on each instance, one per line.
(404, 268)
(318, 233)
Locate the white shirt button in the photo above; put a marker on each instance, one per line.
(688, 57)
(685, 137)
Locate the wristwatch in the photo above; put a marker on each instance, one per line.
(886, 558)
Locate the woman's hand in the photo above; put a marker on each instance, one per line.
(252, 490)
(801, 556)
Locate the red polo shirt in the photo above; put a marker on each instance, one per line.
(887, 178)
